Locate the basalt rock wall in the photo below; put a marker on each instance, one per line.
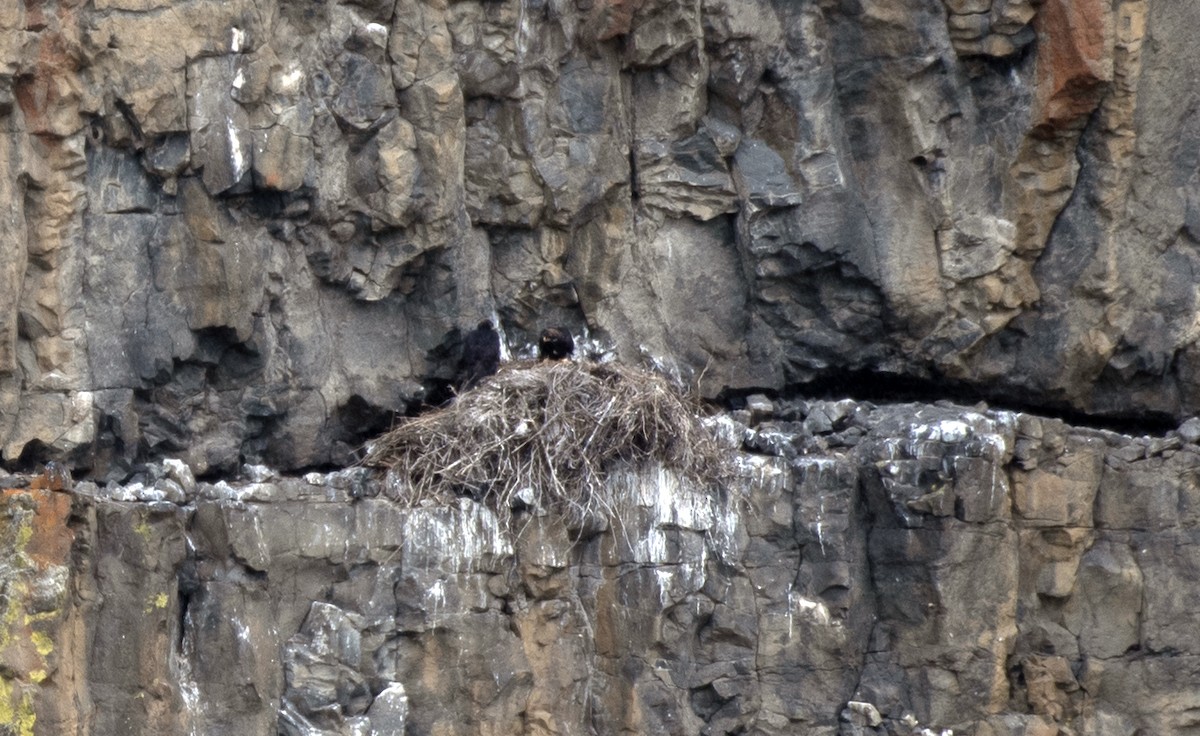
(905, 570)
(241, 234)
(251, 230)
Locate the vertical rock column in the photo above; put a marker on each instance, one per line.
(944, 567)
(45, 144)
(40, 648)
(13, 42)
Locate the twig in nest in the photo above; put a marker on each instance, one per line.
(556, 428)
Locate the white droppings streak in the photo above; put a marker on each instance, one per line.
(239, 79)
(813, 479)
(723, 533)
(675, 506)
(947, 430)
(815, 611)
(953, 430)
(454, 540)
(223, 490)
(241, 631)
(189, 691)
(663, 576)
(236, 157)
(790, 617)
(239, 38)
(524, 30)
(436, 596)
(820, 464)
(766, 473)
(290, 81)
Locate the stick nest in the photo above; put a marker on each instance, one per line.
(546, 435)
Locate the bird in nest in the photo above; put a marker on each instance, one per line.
(555, 343)
(481, 354)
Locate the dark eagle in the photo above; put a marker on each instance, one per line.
(481, 354)
(555, 343)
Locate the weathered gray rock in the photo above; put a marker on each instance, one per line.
(1189, 431)
(322, 664)
(295, 208)
(917, 577)
(686, 178)
(245, 233)
(389, 711)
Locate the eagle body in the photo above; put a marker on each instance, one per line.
(555, 343)
(481, 354)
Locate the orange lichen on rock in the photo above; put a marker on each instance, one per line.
(49, 537)
(36, 538)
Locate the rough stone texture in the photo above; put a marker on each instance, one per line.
(873, 570)
(253, 231)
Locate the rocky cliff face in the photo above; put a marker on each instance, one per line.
(247, 231)
(873, 571)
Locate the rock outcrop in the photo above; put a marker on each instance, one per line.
(875, 570)
(254, 231)
(248, 234)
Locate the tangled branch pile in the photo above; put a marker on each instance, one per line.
(546, 434)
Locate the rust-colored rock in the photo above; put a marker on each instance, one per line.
(1074, 60)
(37, 681)
(49, 537)
(49, 92)
(612, 18)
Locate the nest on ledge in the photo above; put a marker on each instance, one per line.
(546, 435)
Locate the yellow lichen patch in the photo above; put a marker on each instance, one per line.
(143, 530)
(26, 717)
(156, 601)
(7, 711)
(42, 642)
(36, 539)
(10, 619)
(24, 534)
(16, 709)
